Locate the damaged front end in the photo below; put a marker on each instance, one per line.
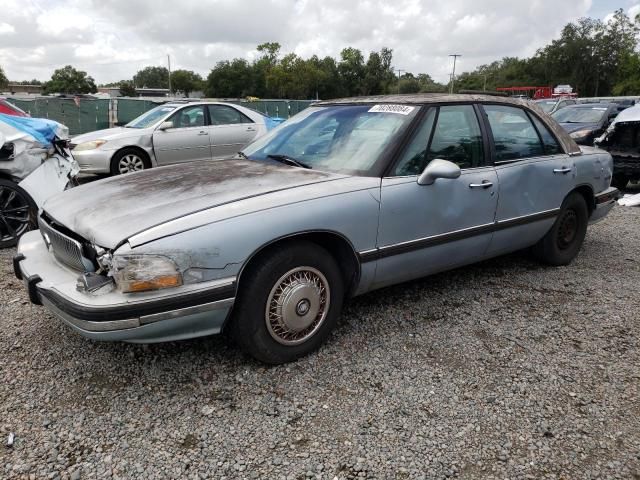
(622, 141)
(35, 164)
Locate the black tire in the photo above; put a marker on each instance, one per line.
(18, 213)
(137, 159)
(261, 334)
(562, 243)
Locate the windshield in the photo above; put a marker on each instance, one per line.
(547, 105)
(344, 139)
(151, 117)
(579, 115)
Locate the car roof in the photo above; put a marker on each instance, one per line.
(593, 105)
(424, 99)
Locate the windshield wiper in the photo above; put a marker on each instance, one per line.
(287, 160)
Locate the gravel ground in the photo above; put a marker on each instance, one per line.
(505, 369)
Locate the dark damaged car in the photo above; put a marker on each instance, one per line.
(346, 197)
(622, 141)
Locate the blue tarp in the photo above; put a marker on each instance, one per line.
(44, 131)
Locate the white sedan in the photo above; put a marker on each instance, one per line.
(171, 133)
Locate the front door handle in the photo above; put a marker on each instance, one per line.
(251, 129)
(484, 184)
(562, 170)
(203, 133)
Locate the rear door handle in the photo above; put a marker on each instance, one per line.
(562, 170)
(251, 129)
(203, 133)
(484, 184)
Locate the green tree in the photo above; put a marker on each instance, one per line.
(230, 79)
(152, 77)
(185, 81)
(3, 79)
(352, 70)
(127, 88)
(70, 80)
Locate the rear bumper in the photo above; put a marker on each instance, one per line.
(605, 201)
(193, 311)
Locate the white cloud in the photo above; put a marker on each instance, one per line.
(112, 40)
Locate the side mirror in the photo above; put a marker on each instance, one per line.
(438, 168)
(165, 125)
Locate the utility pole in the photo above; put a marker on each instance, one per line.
(169, 64)
(485, 83)
(453, 72)
(399, 72)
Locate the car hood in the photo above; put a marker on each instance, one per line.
(109, 211)
(108, 134)
(574, 127)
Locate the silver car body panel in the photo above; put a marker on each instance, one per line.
(212, 218)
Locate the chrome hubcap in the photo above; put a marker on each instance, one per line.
(297, 305)
(130, 163)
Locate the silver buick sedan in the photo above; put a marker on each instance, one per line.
(346, 197)
(174, 132)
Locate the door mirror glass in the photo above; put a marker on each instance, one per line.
(165, 125)
(438, 168)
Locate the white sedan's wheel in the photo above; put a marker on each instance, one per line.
(130, 163)
(129, 160)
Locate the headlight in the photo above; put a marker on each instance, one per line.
(580, 134)
(141, 273)
(89, 145)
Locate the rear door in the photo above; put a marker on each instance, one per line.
(427, 228)
(535, 176)
(187, 141)
(230, 130)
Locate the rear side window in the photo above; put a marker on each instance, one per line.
(225, 115)
(551, 146)
(514, 136)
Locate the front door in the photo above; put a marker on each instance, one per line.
(427, 228)
(186, 141)
(230, 130)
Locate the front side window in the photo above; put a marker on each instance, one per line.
(225, 115)
(348, 139)
(514, 136)
(188, 117)
(456, 137)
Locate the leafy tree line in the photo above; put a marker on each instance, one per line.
(595, 57)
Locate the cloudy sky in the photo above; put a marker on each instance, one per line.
(112, 39)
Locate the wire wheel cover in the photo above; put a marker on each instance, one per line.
(297, 305)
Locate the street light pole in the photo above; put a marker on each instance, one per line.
(453, 72)
(399, 72)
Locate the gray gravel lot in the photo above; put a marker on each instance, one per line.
(506, 369)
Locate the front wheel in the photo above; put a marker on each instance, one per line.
(288, 303)
(129, 160)
(562, 243)
(18, 212)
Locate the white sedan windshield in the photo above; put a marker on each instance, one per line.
(345, 139)
(153, 116)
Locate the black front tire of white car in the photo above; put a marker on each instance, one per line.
(563, 242)
(129, 160)
(288, 302)
(18, 213)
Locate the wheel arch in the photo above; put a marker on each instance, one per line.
(587, 193)
(335, 243)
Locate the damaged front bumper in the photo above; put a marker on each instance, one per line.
(185, 312)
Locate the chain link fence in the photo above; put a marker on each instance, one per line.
(83, 115)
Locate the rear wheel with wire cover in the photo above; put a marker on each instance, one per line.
(288, 302)
(129, 160)
(18, 212)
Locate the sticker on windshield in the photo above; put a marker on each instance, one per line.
(401, 109)
(167, 109)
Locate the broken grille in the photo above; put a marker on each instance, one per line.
(64, 248)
